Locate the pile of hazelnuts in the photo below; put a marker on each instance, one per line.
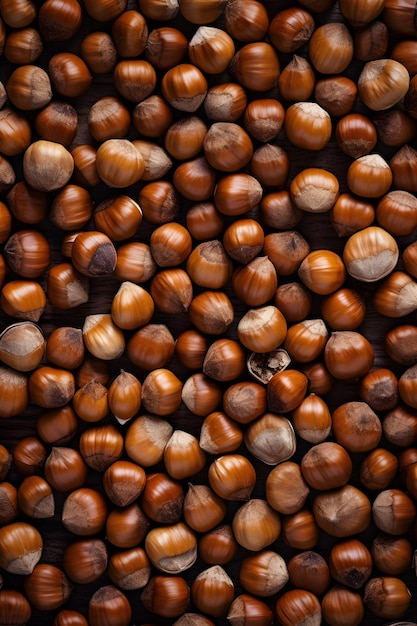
(208, 296)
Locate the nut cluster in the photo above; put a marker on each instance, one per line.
(208, 300)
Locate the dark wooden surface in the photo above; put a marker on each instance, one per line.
(320, 234)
